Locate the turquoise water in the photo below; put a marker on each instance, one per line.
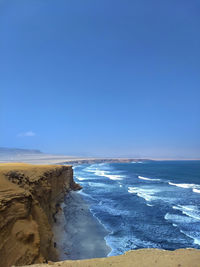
(144, 205)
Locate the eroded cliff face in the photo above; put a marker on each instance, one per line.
(29, 199)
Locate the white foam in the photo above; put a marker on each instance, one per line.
(194, 187)
(81, 179)
(178, 219)
(196, 190)
(95, 167)
(104, 173)
(192, 235)
(183, 185)
(191, 211)
(147, 179)
(108, 175)
(170, 217)
(91, 168)
(147, 194)
(197, 241)
(120, 244)
(149, 205)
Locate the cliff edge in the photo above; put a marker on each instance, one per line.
(29, 200)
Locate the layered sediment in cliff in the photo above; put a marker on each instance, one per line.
(29, 200)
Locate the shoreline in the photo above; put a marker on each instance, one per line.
(79, 222)
(108, 232)
(76, 224)
(96, 189)
(41, 159)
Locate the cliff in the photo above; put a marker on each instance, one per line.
(29, 199)
(138, 258)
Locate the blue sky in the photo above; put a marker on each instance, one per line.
(101, 78)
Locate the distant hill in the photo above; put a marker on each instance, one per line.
(18, 151)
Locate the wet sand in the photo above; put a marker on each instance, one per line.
(78, 234)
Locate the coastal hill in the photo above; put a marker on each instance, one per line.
(18, 151)
(29, 200)
(33, 156)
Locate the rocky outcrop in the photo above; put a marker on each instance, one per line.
(29, 200)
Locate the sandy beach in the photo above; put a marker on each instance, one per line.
(76, 225)
(43, 158)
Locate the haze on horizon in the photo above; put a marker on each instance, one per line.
(101, 78)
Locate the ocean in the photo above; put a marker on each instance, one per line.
(149, 204)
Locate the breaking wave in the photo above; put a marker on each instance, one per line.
(134, 208)
(103, 173)
(81, 178)
(147, 194)
(148, 179)
(191, 211)
(196, 190)
(183, 185)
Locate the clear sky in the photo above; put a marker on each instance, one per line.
(101, 77)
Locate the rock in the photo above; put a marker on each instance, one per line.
(29, 195)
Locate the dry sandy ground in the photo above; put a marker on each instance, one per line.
(57, 159)
(43, 159)
(37, 159)
(139, 258)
